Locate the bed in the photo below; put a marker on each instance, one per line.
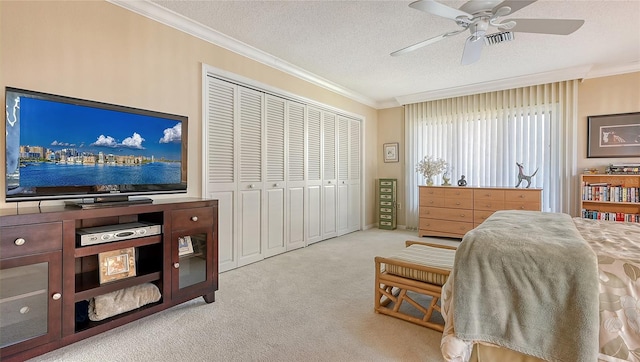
(557, 289)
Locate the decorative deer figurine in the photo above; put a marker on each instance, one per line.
(522, 176)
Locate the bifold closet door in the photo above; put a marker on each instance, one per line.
(313, 194)
(329, 179)
(220, 164)
(342, 209)
(273, 214)
(295, 152)
(354, 215)
(250, 187)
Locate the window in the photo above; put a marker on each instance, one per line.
(484, 136)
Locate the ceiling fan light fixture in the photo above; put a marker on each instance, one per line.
(497, 38)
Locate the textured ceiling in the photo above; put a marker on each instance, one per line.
(348, 42)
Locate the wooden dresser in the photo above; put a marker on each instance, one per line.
(452, 211)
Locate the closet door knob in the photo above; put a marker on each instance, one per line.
(56, 296)
(176, 265)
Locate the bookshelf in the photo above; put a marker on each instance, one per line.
(610, 197)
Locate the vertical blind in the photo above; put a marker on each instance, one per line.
(483, 136)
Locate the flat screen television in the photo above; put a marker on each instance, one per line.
(60, 147)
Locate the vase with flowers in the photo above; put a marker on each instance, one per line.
(430, 166)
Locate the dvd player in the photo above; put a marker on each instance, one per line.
(109, 233)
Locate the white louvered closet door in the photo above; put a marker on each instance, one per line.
(354, 216)
(273, 214)
(329, 179)
(295, 210)
(313, 194)
(220, 171)
(250, 186)
(342, 209)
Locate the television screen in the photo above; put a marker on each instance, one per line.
(60, 147)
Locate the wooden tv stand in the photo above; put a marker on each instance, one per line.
(47, 277)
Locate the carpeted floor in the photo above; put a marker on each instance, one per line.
(310, 304)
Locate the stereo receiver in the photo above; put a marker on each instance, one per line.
(109, 233)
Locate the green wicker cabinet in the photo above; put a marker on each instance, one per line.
(387, 203)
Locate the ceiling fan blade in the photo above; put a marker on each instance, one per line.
(547, 26)
(472, 49)
(423, 43)
(514, 5)
(439, 9)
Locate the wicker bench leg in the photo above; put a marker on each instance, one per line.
(391, 293)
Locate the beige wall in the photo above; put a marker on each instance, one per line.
(391, 129)
(605, 95)
(99, 51)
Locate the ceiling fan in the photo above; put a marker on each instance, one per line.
(478, 15)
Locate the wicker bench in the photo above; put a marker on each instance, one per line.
(421, 268)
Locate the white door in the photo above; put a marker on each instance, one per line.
(354, 216)
(313, 194)
(329, 179)
(342, 209)
(250, 186)
(295, 212)
(275, 186)
(219, 175)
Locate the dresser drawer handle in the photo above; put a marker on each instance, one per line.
(19, 241)
(487, 205)
(462, 215)
(194, 218)
(521, 196)
(458, 203)
(487, 195)
(521, 207)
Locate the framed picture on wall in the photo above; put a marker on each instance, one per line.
(613, 135)
(390, 152)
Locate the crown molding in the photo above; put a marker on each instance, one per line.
(583, 72)
(500, 84)
(170, 18)
(615, 69)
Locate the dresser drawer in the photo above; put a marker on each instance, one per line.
(522, 195)
(444, 226)
(191, 218)
(459, 203)
(386, 210)
(386, 183)
(431, 191)
(522, 205)
(488, 204)
(446, 214)
(386, 190)
(431, 201)
(479, 216)
(30, 239)
(458, 193)
(488, 195)
(386, 203)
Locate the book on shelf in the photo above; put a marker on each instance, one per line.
(610, 216)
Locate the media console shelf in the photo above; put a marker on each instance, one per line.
(47, 277)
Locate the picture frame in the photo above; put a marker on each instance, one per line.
(613, 135)
(117, 264)
(390, 152)
(185, 245)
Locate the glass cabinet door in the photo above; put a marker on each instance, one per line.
(30, 302)
(23, 303)
(192, 260)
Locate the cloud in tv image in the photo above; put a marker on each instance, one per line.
(58, 144)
